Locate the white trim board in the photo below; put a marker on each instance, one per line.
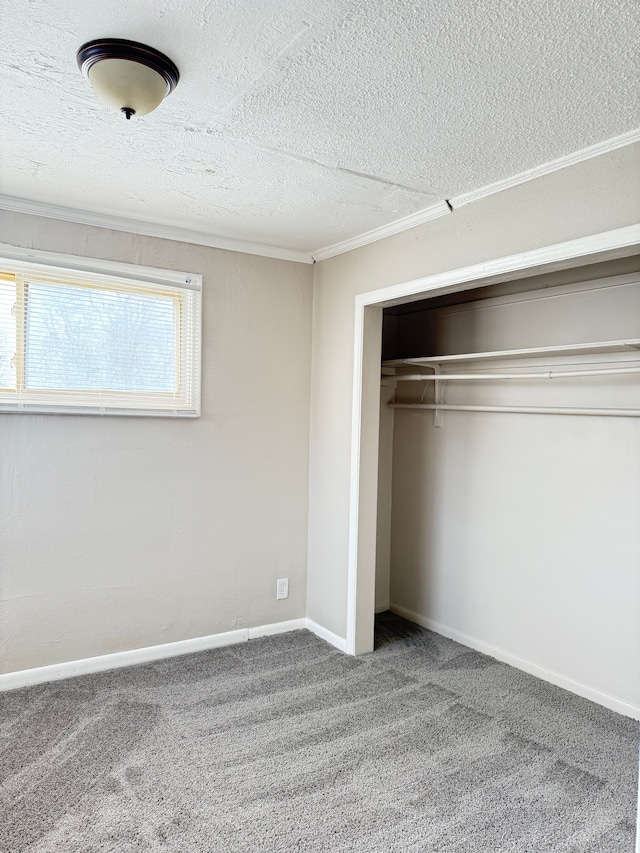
(607, 245)
(441, 208)
(324, 634)
(434, 211)
(524, 664)
(147, 654)
(149, 229)
(132, 657)
(580, 156)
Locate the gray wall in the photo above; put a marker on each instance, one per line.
(118, 533)
(588, 198)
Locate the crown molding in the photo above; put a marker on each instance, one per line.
(149, 229)
(441, 208)
(547, 168)
(201, 238)
(434, 211)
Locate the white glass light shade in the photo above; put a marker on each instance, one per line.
(124, 84)
(128, 76)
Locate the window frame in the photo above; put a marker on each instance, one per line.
(74, 401)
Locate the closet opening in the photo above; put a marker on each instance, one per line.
(497, 506)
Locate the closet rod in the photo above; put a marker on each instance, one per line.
(533, 410)
(549, 374)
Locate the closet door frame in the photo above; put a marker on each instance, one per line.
(608, 245)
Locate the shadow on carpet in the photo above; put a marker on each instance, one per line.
(285, 744)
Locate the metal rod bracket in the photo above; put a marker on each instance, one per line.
(440, 387)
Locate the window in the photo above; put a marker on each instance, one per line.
(102, 342)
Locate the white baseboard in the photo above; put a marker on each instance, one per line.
(131, 657)
(277, 628)
(325, 634)
(557, 678)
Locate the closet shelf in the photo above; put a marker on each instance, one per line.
(630, 345)
(548, 374)
(440, 379)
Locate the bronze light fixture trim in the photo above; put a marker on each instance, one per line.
(128, 76)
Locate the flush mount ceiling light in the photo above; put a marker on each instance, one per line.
(128, 76)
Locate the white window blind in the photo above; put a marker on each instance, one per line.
(91, 342)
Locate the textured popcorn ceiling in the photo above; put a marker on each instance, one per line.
(300, 123)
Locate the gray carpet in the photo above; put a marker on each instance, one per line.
(285, 744)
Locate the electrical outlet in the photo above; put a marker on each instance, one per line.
(282, 588)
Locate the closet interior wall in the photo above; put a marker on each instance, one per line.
(520, 532)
